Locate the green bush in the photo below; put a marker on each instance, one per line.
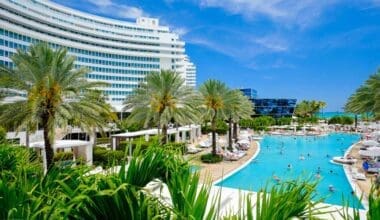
(13, 158)
(103, 140)
(211, 158)
(177, 147)
(124, 125)
(3, 135)
(344, 120)
(60, 156)
(284, 121)
(105, 158)
(221, 128)
(138, 143)
(261, 123)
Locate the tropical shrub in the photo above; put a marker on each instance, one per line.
(60, 156)
(261, 123)
(126, 125)
(176, 147)
(105, 158)
(344, 120)
(283, 121)
(3, 135)
(211, 158)
(221, 127)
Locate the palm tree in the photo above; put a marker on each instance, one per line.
(162, 99)
(56, 94)
(216, 97)
(240, 107)
(366, 98)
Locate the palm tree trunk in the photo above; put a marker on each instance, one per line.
(213, 131)
(235, 133)
(230, 134)
(48, 146)
(164, 134)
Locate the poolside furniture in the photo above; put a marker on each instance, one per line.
(193, 150)
(205, 144)
(357, 175)
(344, 160)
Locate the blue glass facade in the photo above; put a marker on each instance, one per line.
(249, 92)
(274, 107)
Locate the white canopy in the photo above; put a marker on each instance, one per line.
(62, 144)
(370, 152)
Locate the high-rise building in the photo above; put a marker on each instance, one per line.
(120, 53)
(191, 72)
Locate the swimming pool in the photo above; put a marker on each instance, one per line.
(278, 152)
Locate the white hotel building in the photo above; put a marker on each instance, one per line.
(118, 52)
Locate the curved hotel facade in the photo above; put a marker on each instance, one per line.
(118, 52)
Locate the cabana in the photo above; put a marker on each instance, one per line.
(80, 148)
(180, 134)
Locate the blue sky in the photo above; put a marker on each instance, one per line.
(309, 49)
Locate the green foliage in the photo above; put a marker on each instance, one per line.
(163, 98)
(283, 121)
(307, 108)
(374, 203)
(126, 125)
(344, 120)
(366, 98)
(261, 123)
(211, 158)
(176, 147)
(106, 158)
(103, 140)
(3, 135)
(221, 127)
(60, 156)
(48, 78)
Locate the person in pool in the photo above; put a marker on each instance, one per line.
(276, 178)
(331, 188)
(301, 157)
(289, 166)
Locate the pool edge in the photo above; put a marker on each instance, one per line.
(240, 167)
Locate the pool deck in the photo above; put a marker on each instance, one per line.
(361, 187)
(218, 171)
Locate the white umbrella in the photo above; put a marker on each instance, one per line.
(370, 143)
(370, 152)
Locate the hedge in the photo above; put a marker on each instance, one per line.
(210, 158)
(106, 158)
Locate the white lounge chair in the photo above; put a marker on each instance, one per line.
(193, 150)
(357, 175)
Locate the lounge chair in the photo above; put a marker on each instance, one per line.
(358, 175)
(193, 150)
(230, 156)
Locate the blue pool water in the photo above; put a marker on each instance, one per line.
(271, 161)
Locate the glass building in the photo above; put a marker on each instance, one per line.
(274, 107)
(120, 53)
(249, 92)
(270, 106)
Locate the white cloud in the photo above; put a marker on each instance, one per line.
(301, 13)
(120, 10)
(181, 31)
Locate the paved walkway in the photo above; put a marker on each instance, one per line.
(216, 171)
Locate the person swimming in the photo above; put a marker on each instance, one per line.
(289, 166)
(301, 157)
(276, 178)
(318, 175)
(331, 188)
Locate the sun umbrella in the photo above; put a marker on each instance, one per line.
(370, 152)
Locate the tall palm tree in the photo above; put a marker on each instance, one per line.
(163, 98)
(216, 97)
(56, 94)
(366, 98)
(240, 107)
